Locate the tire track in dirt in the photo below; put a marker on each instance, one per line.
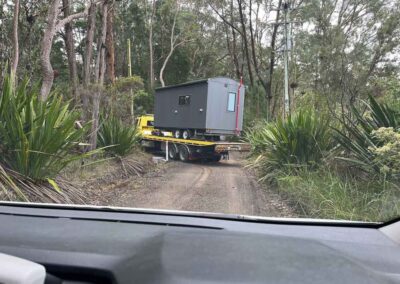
(194, 189)
(224, 187)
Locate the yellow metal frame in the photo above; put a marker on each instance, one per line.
(181, 141)
(220, 147)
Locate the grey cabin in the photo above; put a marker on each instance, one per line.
(205, 107)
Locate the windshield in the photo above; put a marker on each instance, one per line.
(263, 108)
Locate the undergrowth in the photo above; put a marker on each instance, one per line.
(325, 194)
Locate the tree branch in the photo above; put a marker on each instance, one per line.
(63, 22)
(224, 19)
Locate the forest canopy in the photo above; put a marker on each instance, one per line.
(340, 51)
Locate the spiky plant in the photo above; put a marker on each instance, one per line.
(118, 138)
(37, 139)
(300, 140)
(357, 138)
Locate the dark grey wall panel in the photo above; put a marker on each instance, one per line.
(168, 112)
(208, 109)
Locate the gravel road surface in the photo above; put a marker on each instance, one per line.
(224, 187)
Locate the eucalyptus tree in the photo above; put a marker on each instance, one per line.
(343, 45)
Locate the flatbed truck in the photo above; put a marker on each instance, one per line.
(184, 149)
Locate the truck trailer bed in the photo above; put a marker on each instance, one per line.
(188, 149)
(220, 146)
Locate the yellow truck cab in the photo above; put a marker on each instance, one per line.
(145, 124)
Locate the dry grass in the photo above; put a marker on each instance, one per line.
(104, 168)
(15, 187)
(79, 183)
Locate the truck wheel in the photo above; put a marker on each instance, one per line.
(184, 153)
(186, 134)
(173, 152)
(177, 134)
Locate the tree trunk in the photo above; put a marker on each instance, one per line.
(253, 51)
(88, 61)
(165, 65)
(15, 59)
(233, 50)
(89, 45)
(151, 50)
(272, 58)
(132, 97)
(275, 102)
(53, 26)
(98, 58)
(245, 41)
(173, 45)
(110, 53)
(70, 47)
(102, 46)
(96, 96)
(47, 42)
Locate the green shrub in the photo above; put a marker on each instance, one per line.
(256, 136)
(144, 103)
(118, 101)
(388, 89)
(126, 84)
(299, 141)
(357, 137)
(119, 138)
(387, 156)
(37, 137)
(256, 105)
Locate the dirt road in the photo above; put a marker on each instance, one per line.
(224, 187)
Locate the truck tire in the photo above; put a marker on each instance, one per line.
(186, 134)
(177, 134)
(173, 152)
(184, 153)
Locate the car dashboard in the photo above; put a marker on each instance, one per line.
(105, 245)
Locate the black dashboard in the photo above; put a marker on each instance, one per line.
(101, 245)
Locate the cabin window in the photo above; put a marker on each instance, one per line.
(184, 100)
(231, 101)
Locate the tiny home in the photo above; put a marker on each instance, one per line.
(205, 107)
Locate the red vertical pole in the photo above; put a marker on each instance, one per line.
(237, 106)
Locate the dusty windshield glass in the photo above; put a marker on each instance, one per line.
(265, 108)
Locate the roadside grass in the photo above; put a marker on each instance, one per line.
(347, 173)
(326, 195)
